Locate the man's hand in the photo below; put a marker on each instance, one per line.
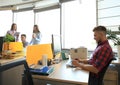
(75, 62)
(86, 67)
(77, 59)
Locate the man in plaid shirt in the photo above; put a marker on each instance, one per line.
(100, 60)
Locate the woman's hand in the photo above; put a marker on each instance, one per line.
(34, 35)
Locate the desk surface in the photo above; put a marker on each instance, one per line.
(65, 74)
(117, 61)
(17, 56)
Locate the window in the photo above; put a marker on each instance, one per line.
(5, 21)
(109, 15)
(49, 23)
(79, 19)
(25, 22)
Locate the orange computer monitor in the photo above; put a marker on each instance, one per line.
(34, 53)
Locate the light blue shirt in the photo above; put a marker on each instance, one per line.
(36, 40)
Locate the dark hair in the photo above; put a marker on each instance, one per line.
(37, 28)
(13, 26)
(100, 28)
(23, 35)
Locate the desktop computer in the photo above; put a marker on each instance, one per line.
(56, 45)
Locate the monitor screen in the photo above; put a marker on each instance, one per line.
(56, 44)
(1, 43)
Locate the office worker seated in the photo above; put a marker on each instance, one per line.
(23, 39)
(101, 57)
(13, 32)
(36, 37)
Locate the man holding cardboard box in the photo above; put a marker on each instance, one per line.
(100, 60)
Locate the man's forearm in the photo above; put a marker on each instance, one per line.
(84, 61)
(88, 67)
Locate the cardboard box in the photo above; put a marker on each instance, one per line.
(80, 53)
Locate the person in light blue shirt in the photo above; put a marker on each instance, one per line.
(36, 37)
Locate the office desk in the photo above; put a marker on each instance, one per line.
(11, 75)
(17, 56)
(116, 66)
(63, 75)
(117, 61)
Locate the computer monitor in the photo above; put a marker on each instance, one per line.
(1, 43)
(56, 44)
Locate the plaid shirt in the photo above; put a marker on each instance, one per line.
(101, 56)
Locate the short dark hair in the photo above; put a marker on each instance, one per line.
(100, 28)
(23, 35)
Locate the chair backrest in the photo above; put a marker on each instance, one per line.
(98, 81)
(34, 53)
(101, 74)
(1, 43)
(15, 64)
(27, 75)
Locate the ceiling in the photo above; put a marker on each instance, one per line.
(15, 2)
(33, 4)
(20, 4)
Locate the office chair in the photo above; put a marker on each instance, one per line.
(99, 81)
(27, 77)
(1, 43)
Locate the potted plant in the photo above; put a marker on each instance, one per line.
(116, 40)
(7, 39)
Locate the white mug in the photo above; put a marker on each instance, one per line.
(44, 60)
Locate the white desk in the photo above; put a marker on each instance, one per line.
(63, 75)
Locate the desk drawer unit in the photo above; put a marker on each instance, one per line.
(111, 77)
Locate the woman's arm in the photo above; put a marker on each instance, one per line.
(38, 37)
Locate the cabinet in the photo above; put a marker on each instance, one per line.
(12, 76)
(111, 77)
